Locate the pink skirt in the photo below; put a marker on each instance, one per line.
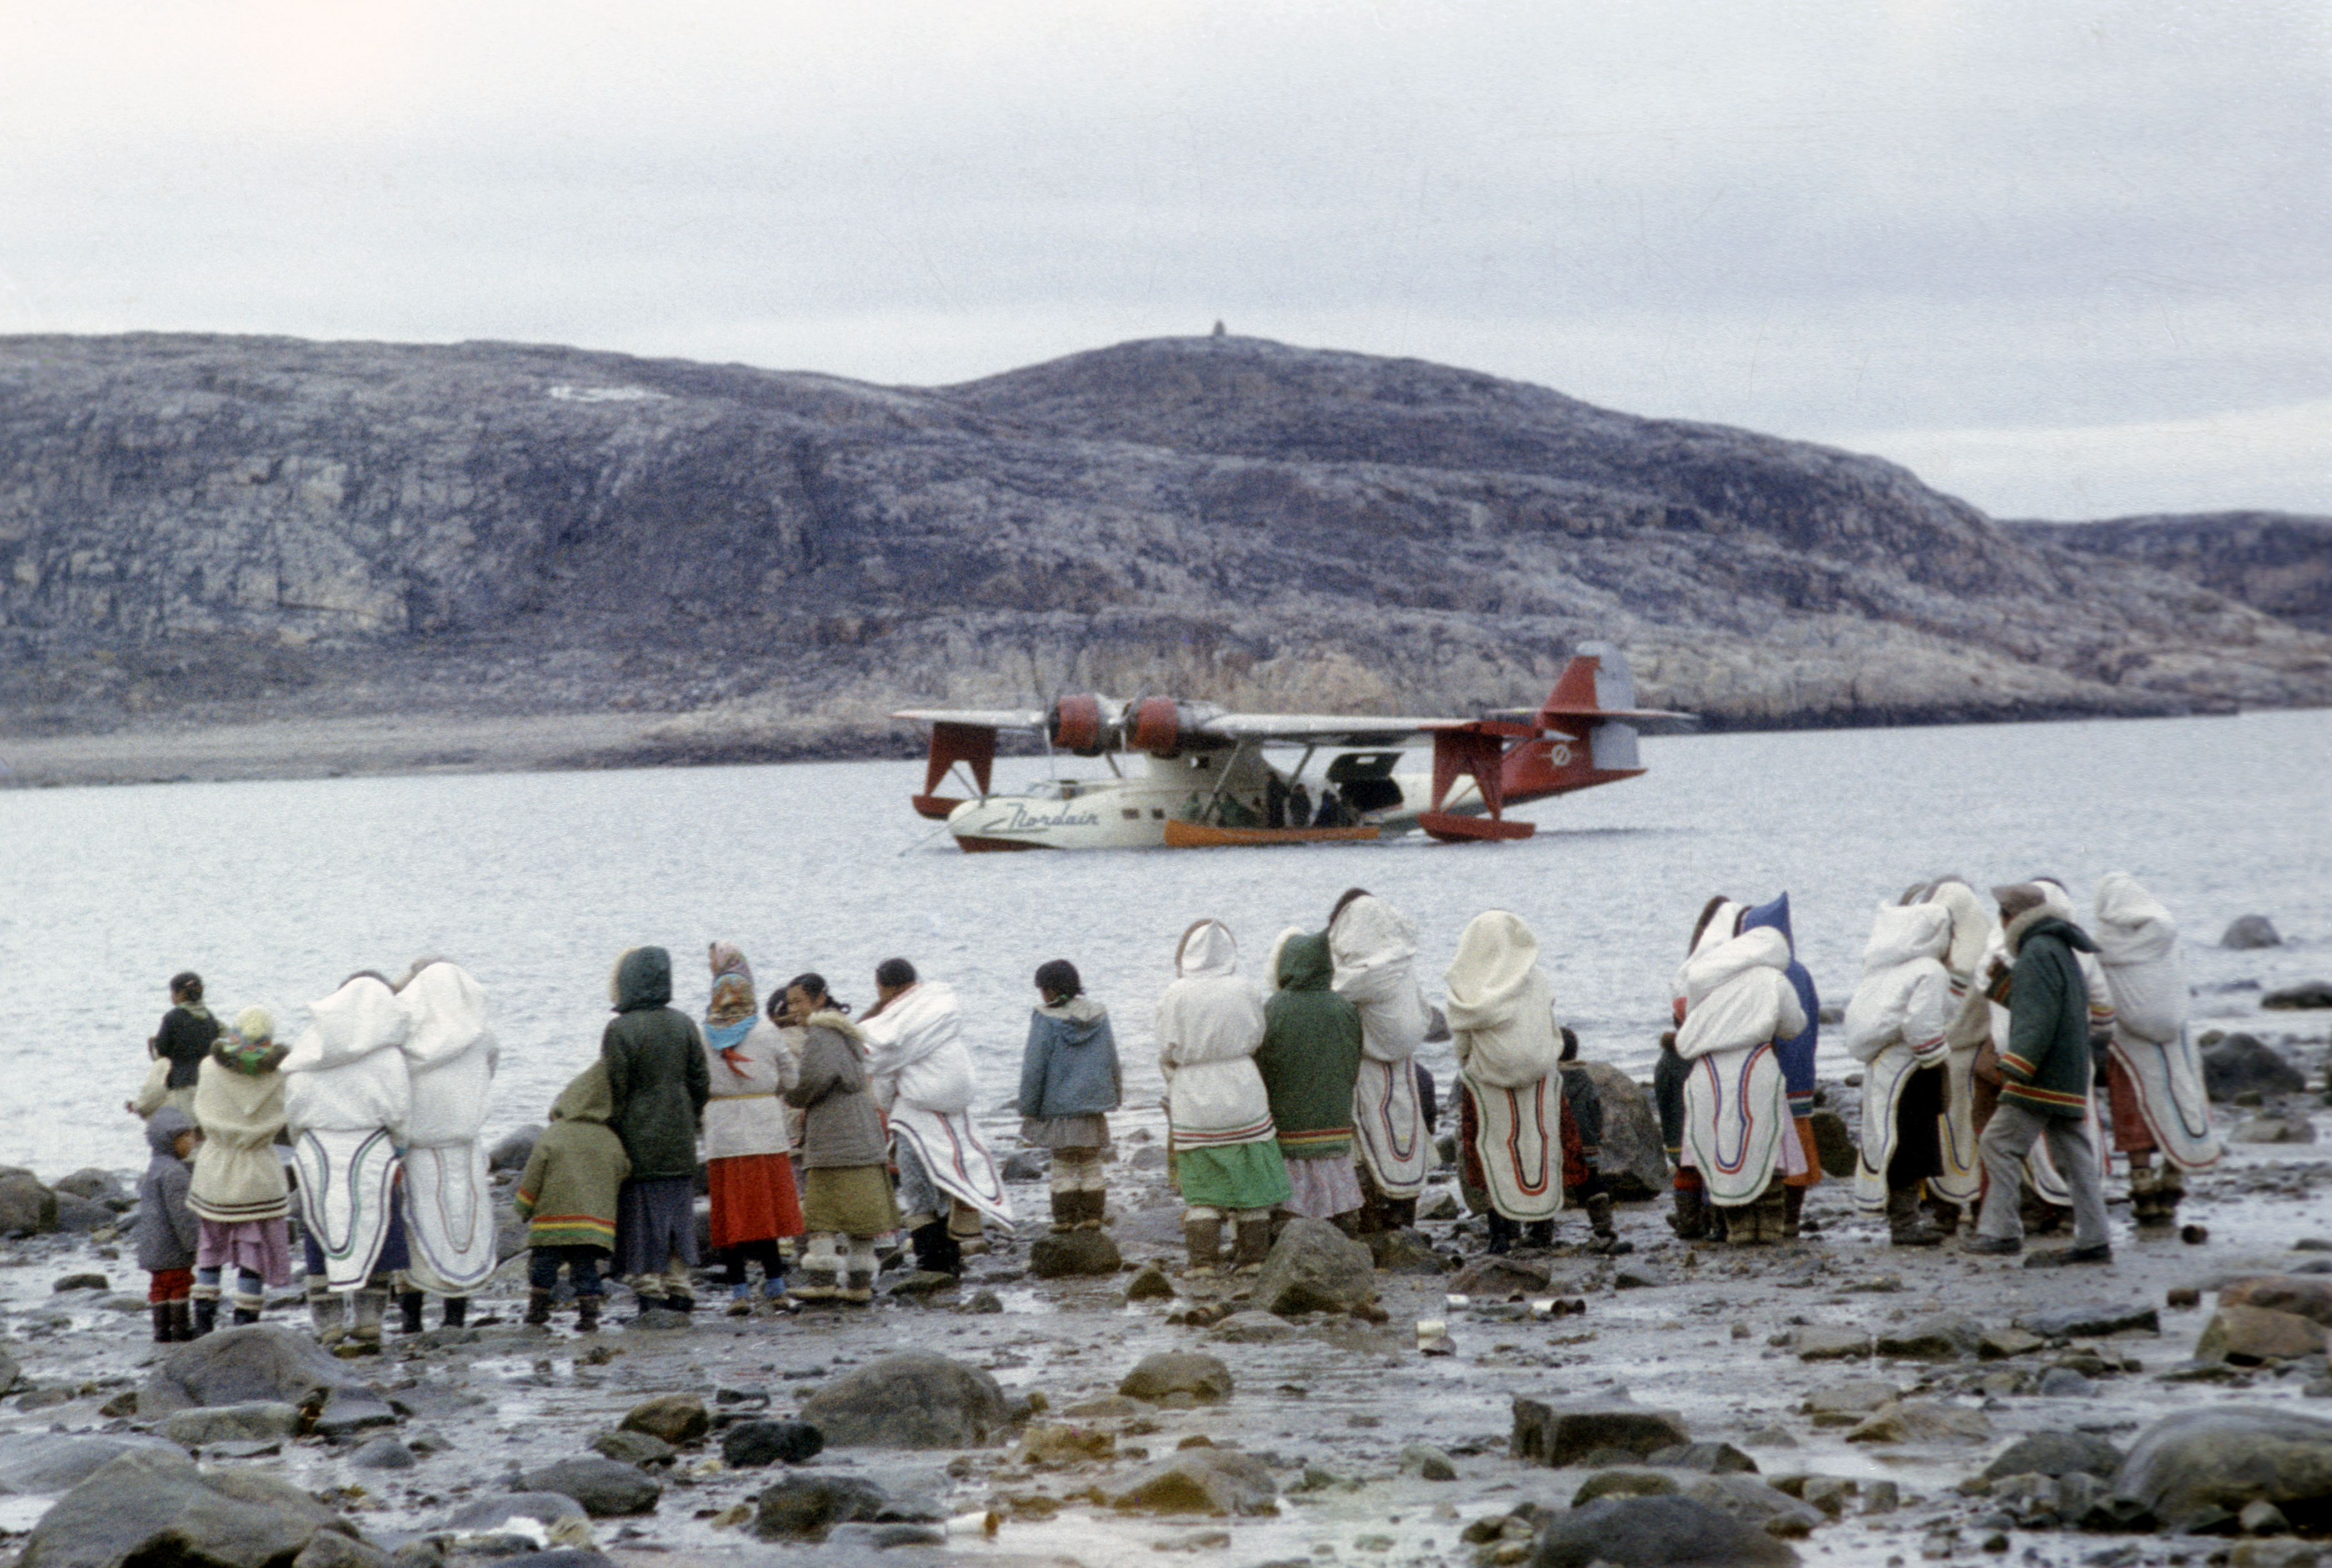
(1322, 1188)
(259, 1247)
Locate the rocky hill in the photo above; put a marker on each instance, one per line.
(2276, 562)
(206, 529)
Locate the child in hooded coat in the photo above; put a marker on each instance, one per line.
(237, 1188)
(569, 1193)
(167, 1230)
(846, 1199)
(658, 1080)
(1069, 1083)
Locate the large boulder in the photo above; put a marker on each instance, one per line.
(2055, 1454)
(1171, 1373)
(1316, 1267)
(260, 1363)
(2250, 1336)
(26, 1204)
(2308, 1295)
(1218, 1481)
(1635, 1163)
(149, 1507)
(1559, 1435)
(2186, 1467)
(1074, 1254)
(607, 1489)
(2240, 1064)
(514, 1150)
(1656, 1532)
(914, 1400)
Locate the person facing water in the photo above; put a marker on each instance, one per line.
(1373, 946)
(568, 1194)
(1310, 1058)
(237, 1189)
(1222, 1146)
(168, 1231)
(1069, 1083)
(1501, 1012)
(1738, 1001)
(747, 1165)
(183, 1037)
(658, 1086)
(348, 1094)
(449, 1200)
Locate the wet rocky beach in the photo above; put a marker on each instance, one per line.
(1832, 1398)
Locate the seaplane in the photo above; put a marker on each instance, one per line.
(1189, 775)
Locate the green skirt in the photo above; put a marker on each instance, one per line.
(848, 1200)
(1233, 1176)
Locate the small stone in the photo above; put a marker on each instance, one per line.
(1999, 1343)
(628, 1446)
(2251, 931)
(80, 1282)
(1823, 1342)
(677, 1419)
(1164, 1372)
(1427, 1462)
(750, 1443)
(1150, 1284)
(382, 1453)
(2062, 1382)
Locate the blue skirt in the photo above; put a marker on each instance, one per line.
(655, 1220)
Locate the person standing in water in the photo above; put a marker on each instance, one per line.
(1069, 1083)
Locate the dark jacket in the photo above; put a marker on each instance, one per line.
(166, 1228)
(1069, 1066)
(1796, 1053)
(657, 1079)
(2047, 1067)
(184, 1039)
(840, 1125)
(1311, 1054)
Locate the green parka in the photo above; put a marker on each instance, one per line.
(1311, 1054)
(2047, 1066)
(569, 1185)
(657, 1079)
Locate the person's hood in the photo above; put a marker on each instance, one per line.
(1719, 928)
(1085, 1019)
(1711, 967)
(1305, 963)
(1369, 930)
(1773, 916)
(447, 1007)
(2057, 896)
(2132, 925)
(1207, 951)
(1971, 921)
(1279, 945)
(362, 1017)
(2044, 917)
(163, 1128)
(642, 979)
(1497, 954)
(585, 1098)
(733, 986)
(1903, 932)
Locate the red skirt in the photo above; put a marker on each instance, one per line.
(753, 1198)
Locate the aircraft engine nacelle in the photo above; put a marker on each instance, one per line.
(1086, 724)
(1162, 726)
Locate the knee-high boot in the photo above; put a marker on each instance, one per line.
(326, 1312)
(1202, 1240)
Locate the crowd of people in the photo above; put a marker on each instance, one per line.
(1985, 1027)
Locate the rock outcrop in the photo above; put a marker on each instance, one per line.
(2275, 561)
(215, 530)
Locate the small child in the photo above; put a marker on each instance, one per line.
(569, 1192)
(847, 1198)
(1069, 1083)
(168, 1231)
(238, 1189)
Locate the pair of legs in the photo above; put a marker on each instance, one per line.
(1202, 1235)
(734, 1259)
(209, 1289)
(675, 1287)
(839, 1267)
(170, 1292)
(2007, 1138)
(1080, 1189)
(582, 1266)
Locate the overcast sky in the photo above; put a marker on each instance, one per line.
(2065, 260)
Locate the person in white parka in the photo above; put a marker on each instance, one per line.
(448, 1201)
(1894, 1026)
(1375, 949)
(1737, 1001)
(2153, 1078)
(1221, 1138)
(1509, 1046)
(347, 1093)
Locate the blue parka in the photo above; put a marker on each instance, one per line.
(1796, 1053)
(1070, 1066)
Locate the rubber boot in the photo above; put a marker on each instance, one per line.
(586, 1314)
(1793, 1209)
(409, 1312)
(1504, 1234)
(1203, 1240)
(1607, 1240)
(182, 1319)
(457, 1312)
(205, 1315)
(538, 1308)
(1251, 1246)
(1068, 1207)
(1944, 1215)
(326, 1312)
(1690, 1219)
(369, 1304)
(161, 1322)
(936, 1252)
(1905, 1227)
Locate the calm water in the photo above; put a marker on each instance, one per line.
(537, 882)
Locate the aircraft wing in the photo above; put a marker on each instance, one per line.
(979, 718)
(1324, 728)
(1646, 720)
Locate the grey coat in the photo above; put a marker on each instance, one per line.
(840, 1125)
(1069, 1066)
(166, 1228)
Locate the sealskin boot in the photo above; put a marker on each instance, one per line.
(1905, 1227)
(586, 1314)
(162, 1322)
(1944, 1215)
(1093, 1208)
(1504, 1234)
(936, 1251)
(538, 1308)
(182, 1319)
(457, 1312)
(206, 1314)
(1793, 1209)
(409, 1312)
(818, 1275)
(1068, 1207)
(1607, 1240)
(1690, 1220)
(369, 1303)
(1203, 1240)
(1252, 1246)
(2169, 1187)
(326, 1312)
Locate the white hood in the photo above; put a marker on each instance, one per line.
(2137, 951)
(451, 1054)
(345, 1072)
(1972, 920)
(1900, 934)
(1904, 997)
(1738, 994)
(1208, 949)
(1501, 1005)
(1374, 948)
(917, 1041)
